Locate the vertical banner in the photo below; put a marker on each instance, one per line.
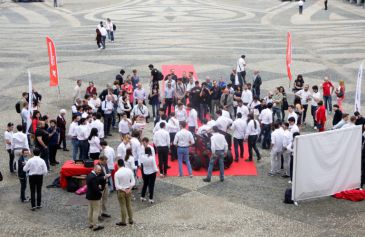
(30, 105)
(53, 70)
(358, 90)
(288, 56)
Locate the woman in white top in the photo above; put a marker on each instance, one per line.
(129, 161)
(94, 144)
(252, 132)
(316, 97)
(252, 106)
(149, 169)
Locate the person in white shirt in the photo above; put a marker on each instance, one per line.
(109, 153)
(82, 135)
(98, 125)
(110, 29)
(129, 160)
(204, 129)
(300, 4)
(125, 125)
(350, 123)
(136, 146)
(305, 96)
(266, 119)
(192, 119)
(173, 127)
(225, 113)
(169, 97)
(277, 139)
(288, 139)
(139, 110)
(291, 113)
(124, 182)
(161, 139)
(108, 107)
(239, 128)
(181, 113)
(72, 134)
(19, 142)
(148, 162)
(95, 102)
(123, 146)
(316, 97)
(36, 168)
(242, 109)
(162, 120)
(94, 144)
(77, 90)
(183, 140)
(222, 122)
(103, 33)
(8, 137)
(246, 96)
(241, 71)
(293, 128)
(251, 134)
(219, 148)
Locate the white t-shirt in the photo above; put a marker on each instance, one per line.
(8, 136)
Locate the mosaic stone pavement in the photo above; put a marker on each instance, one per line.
(211, 35)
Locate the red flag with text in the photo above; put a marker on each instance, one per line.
(288, 56)
(53, 70)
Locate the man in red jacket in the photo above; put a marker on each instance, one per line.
(321, 116)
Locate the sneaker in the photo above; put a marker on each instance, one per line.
(151, 201)
(39, 207)
(221, 180)
(315, 128)
(285, 176)
(98, 228)
(143, 199)
(191, 176)
(99, 48)
(33, 208)
(105, 215)
(206, 180)
(91, 226)
(120, 224)
(162, 175)
(131, 222)
(271, 174)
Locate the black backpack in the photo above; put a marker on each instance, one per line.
(17, 107)
(287, 197)
(159, 75)
(114, 27)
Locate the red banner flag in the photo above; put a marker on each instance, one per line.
(288, 56)
(53, 70)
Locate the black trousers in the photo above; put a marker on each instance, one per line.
(95, 156)
(325, 5)
(23, 187)
(11, 160)
(168, 104)
(163, 153)
(173, 148)
(52, 153)
(62, 140)
(45, 156)
(238, 142)
(35, 183)
(252, 145)
(243, 75)
(108, 118)
(148, 181)
(305, 107)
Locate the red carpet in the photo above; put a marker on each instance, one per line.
(241, 168)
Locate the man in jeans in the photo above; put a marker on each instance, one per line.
(277, 99)
(219, 148)
(266, 118)
(183, 140)
(328, 89)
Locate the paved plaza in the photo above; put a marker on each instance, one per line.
(211, 35)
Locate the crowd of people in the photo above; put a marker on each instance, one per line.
(181, 109)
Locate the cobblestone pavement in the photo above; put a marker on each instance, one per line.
(211, 35)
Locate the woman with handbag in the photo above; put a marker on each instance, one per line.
(340, 94)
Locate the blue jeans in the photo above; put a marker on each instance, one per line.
(220, 156)
(155, 108)
(84, 149)
(327, 100)
(75, 148)
(276, 111)
(183, 154)
(266, 132)
(111, 181)
(110, 35)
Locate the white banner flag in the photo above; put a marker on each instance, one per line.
(358, 90)
(30, 105)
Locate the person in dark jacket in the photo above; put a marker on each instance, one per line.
(256, 84)
(61, 125)
(94, 194)
(54, 138)
(337, 116)
(22, 175)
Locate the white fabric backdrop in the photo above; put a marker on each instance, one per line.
(326, 163)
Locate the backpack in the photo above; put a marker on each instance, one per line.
(159, 75)
(114, 27)
(17, 107)
(287, 197)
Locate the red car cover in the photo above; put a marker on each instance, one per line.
(352, 195)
